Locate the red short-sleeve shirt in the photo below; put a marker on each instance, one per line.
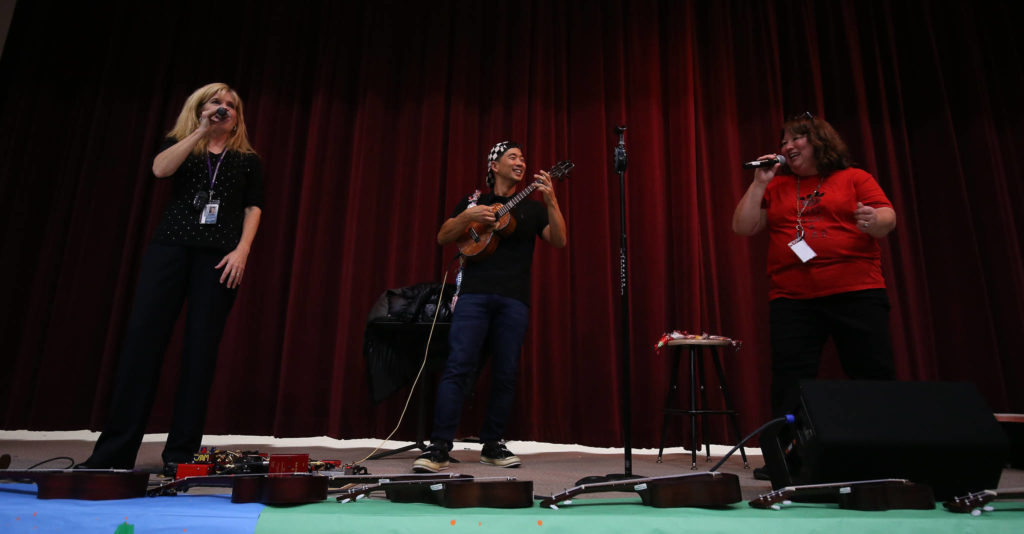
(847, 259)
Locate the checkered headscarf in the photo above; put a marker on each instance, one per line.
(496, 153)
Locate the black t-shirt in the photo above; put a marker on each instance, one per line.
(507, 271)
(239, 185)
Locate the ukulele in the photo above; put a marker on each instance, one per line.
(696, 490)
(83, 484)
(276, 489)
(497, 492)
(481, 240)
(975, 503)
(865, 495)
(282, 488)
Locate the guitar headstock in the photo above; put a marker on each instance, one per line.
(772, 499)
(970, 502)
(174, 486)
(553, 501)
(561, 169)
(358, 492)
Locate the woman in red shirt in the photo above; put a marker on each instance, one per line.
(824, 218)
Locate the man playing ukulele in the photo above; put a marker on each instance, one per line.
(493, 305)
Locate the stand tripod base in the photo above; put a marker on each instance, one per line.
(611, 477)
(418, 445)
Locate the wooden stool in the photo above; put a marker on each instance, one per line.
(697, 369)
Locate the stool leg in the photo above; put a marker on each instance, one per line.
(673, 392)
(693, 408)
(728, 405)
(702, 385)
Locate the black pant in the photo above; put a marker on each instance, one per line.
(170, 275)
(858, 322)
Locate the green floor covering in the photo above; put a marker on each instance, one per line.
(594, 516)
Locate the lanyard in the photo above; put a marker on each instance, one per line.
(213, 170)
(800, 207)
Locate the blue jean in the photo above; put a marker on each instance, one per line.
(479, 319)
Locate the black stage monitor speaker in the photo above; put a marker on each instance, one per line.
(937, 433)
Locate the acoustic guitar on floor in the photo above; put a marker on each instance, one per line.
(284, 489)
(864, 495)
(693, 490)
(481, 240)
(491, 492)
(82, 484)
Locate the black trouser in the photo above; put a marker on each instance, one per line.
(858, 322)
(170, 275)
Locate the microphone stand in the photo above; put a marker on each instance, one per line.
(620, 168)
(627, 418)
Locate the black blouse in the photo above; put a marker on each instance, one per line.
(239, 184)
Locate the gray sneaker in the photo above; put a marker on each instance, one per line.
(433, 459)
(497, 454)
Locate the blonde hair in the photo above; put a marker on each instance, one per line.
(188, 119)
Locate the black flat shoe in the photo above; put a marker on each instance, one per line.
(170, 470)
(761, 473)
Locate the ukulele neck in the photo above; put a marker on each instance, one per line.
(515, 200)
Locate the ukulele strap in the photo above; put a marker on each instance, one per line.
(462, 260)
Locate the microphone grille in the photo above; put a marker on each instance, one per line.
(781, 158)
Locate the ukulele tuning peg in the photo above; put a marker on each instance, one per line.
(787, 502)
(987, 508)
(976, 512)
(776, 507)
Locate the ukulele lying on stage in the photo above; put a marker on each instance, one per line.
(285, 488)
(504, 492)
(84, 484)
(696, 490)
(479, 239)
(866, 495)
(975, 503)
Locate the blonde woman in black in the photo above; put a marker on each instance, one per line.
(197, 255)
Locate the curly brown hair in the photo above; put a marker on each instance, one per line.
(829, 149)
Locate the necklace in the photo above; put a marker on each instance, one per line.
(803, 203)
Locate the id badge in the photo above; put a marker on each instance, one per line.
(209, 213)
(802, 249)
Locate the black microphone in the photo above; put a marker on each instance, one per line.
(779, 158)
(221, 113)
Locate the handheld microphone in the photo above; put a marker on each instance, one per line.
(779, 158)
(221, 113)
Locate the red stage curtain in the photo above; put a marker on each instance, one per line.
(374, 118)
